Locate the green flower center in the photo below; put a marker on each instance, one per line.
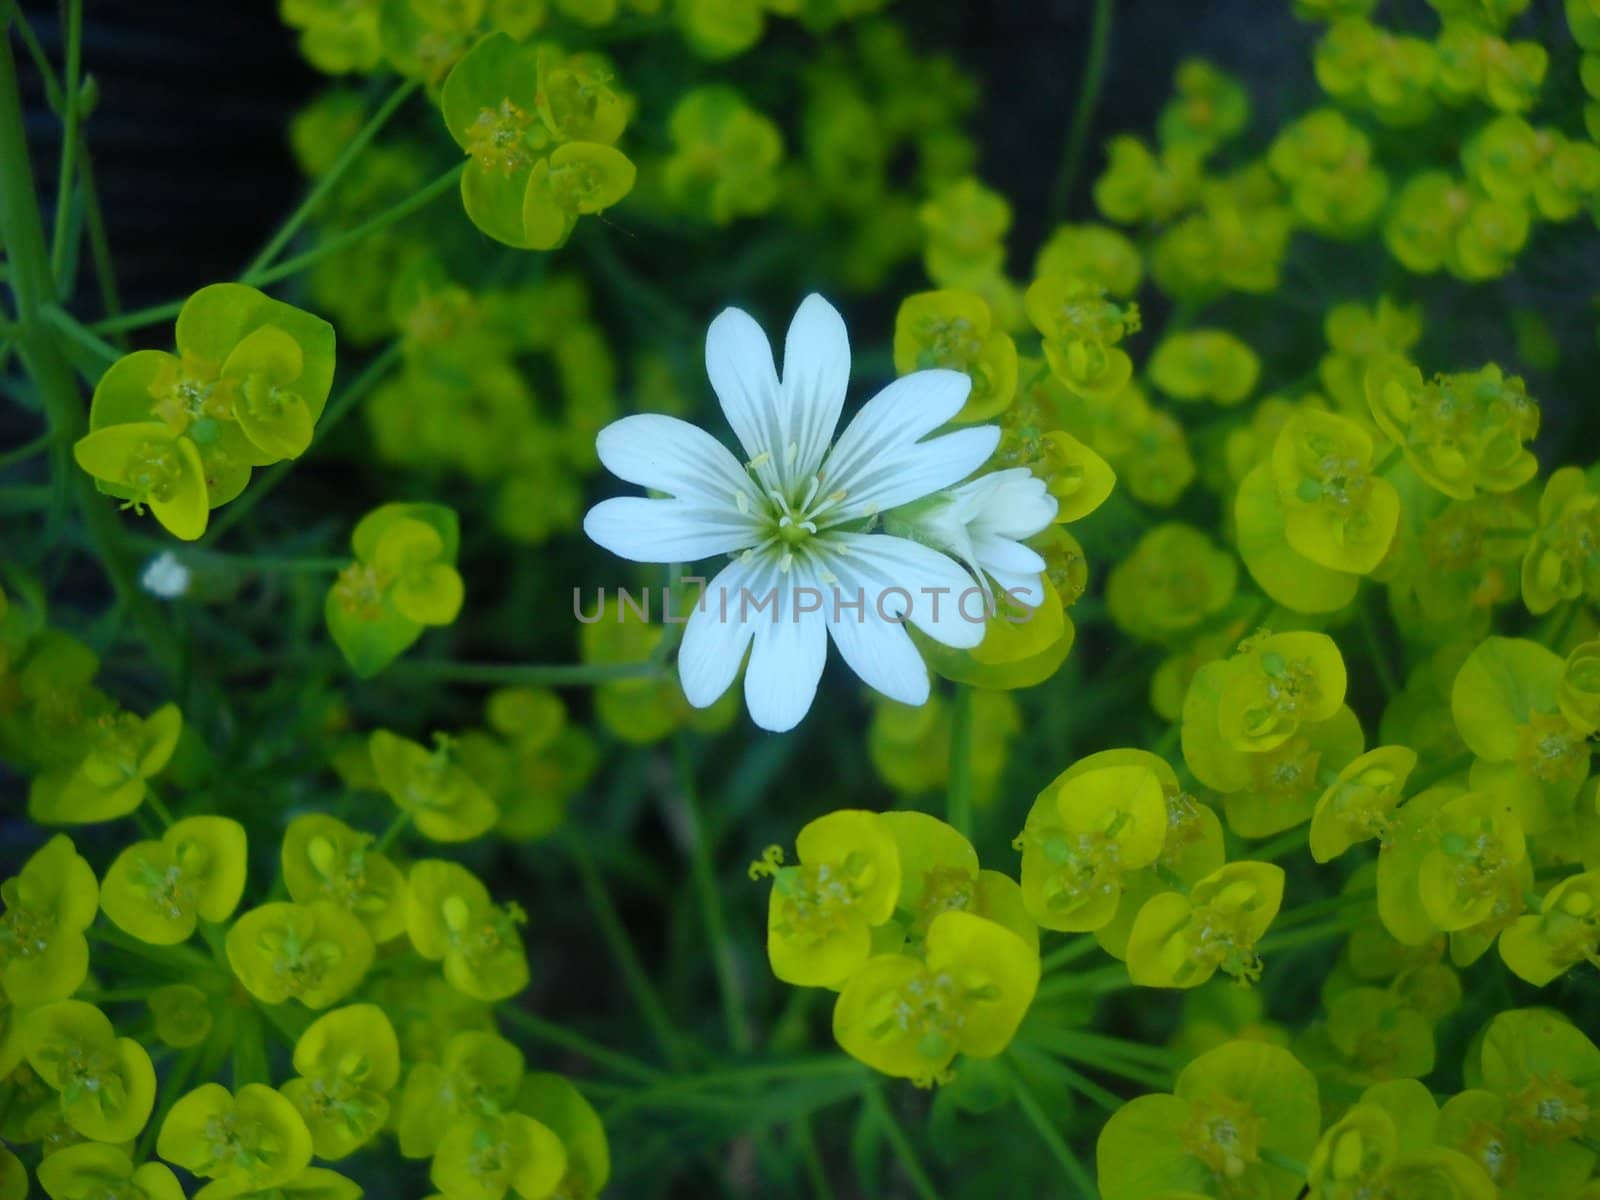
(821, 899)
(1225, 1134)
(1550, 1110)
(497, 138)
(154, 470)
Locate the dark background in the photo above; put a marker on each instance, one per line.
(194, 170)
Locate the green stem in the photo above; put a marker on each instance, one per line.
(41, 60)
(1083, 116)
(72, 88)
(357, 233)
(1283, 1162)
(677, 1090)
(557, 1035)
(1285, 843)
(1099, 982)
(1562, 624)
(333, 245)
(331, 177)
(26, 451)
(1322, 908)
(163, 814)
(99, 243)
(33, 290)
(341, 407)
(959, 795)
(1051, 1136)
(816, 1173)
(510, 674)
(392, 831)
(1374, 640)
(172, 1087)
(901, 1144)
(634, 975)
(705, 883)
(1302, 937)
(1424, 780)
(173, 958)
(86, 339)
(1079, 947)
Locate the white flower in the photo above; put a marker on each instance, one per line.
(797, 514)
(983, 522)
(165, 576)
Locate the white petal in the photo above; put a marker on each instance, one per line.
(1024, 588)
(880, 651)
(1002, 554)
(717, 635)
(739, 363)
(786, 658)
(816, 373)
(935, 583)
(668, 455)
(1018, 506)
(907, 409)
(666, 531)
(906, 473)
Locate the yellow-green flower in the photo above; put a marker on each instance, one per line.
(315, 953)
(157, 891)
(244, 1142)
(48, 904)
(1236, 1112)
(347, 1063)
(110, 780)
(1082, 833)
(106, 1084)
(823, 909)
(909, 1017)
(1182, 940)
(451, 918)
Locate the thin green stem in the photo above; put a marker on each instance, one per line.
(816, 1172)
(532, 674)
(81, 336)
(1283, 1162)
(1423, 780)
(705, 883)
(172, 1087)
(333, 245)
(1322, 908)
(33, 290)
(1562, 624)
(1083, 115)
(1051, 1136)
(336, 412)
(1302, 937)
(41, 61)
(392, 831)
(26, 451)
(679, 1089)
(72, 84)
(901, 1144)
(634, 975)
(95, 223)
(1285, 843)
(331, 177)
(357, 233)
(1374, 639)
(558, 1035)
(958, 797)
(138, 318)
(1079, 947)
(157, 806)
